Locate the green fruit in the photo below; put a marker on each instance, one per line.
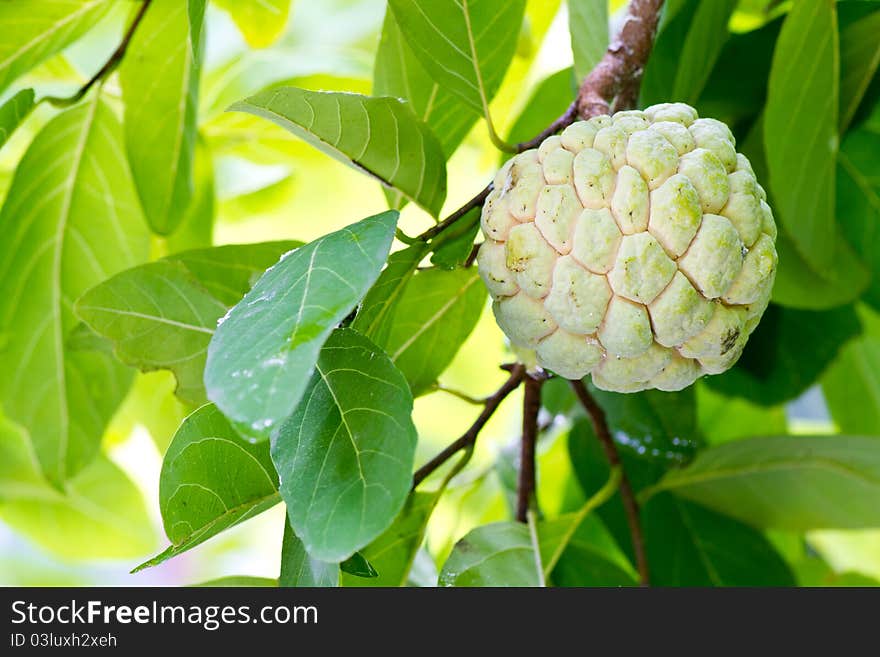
(638, 248)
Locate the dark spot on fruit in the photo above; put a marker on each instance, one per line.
(729, 340)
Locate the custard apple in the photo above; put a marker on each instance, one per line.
(637, 247)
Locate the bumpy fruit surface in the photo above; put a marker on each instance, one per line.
(638, 247)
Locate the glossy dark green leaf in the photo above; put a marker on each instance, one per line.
(859, 58)
(263, 353)
(688, 545)
(380, 136)
(428, 322)
(466, 46)
(800, 128)
(852, 383)
(345, 456)
(160, 86)
(686, 49)
(211, 480)
(358, 566)
(787, 353)
(588, 25)
(162, 315)
(70, 220)
(13, 112)
(794, 483)
(392, 554)
(298, 569)
(499, 554)
(47, 27)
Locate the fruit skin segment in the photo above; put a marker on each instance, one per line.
(637, 247)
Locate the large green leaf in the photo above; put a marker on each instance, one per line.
(392, 554)
(800, 128)
(589, 556)
(466, 46)
(399, 73)
(499, 554)
(33, 34)
(787, 482)
(101, 514)
(787, 353)
(549, 100)
(345, 456)
(858, 200)
(211, 479)
(196, 229)
(299, 569)
(722, 418)
(852, 383)
(262, 354)
(160, 88)
(588, 25)
(859, 58)
(13, 112)
(688, 545)
(261, 22)
(71, 219)
(162, 315)
(686, 49)
(382, 297)
(428, 322)
(377, 135)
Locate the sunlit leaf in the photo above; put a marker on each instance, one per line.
(499, 554)
(71, 219)
(260, 21)
(345, 456)
(588, 24)
(13, 112)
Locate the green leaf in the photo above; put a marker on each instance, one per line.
(588, 25)
(852, 383)
(787, 353)
(70, 220)
(101, 514)
(428, 322)
(687, 47)
(549, 100)
(261, 22)
(160, 87)
(800, 128)
(688, 545)
(452, 248)
(345, 456)
(357, 566)
(298, 569)
(859, 58)
(794, 483)
(196, 229)
(162, 315)
(239, 580)
(46, 27)
(357, 130)
(498, 554)
(261, 356)
(13, 112)
(390, 285)
(858, 200)
(399, 73)
(392, 554)
(466, 46)
(723, 418)
(211, 480)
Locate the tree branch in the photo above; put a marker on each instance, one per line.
(525, 490)
(109, 66)
(619, 72)
(517, 372)
(630, 506)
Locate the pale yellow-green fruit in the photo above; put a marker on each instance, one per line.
(638, 248)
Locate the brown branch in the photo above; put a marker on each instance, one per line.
(517, 372)
(525, 490)
(109, 66)
(624, 60)
(631, 507)
(619, 72)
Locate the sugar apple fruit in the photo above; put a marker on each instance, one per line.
(637, 247)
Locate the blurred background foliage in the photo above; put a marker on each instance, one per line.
(813, 366)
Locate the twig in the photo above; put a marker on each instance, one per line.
(439, 387)
(631, 507)
(472, 256)
(525, 489)
(517, 372)
(618, 72)
(109, 66)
